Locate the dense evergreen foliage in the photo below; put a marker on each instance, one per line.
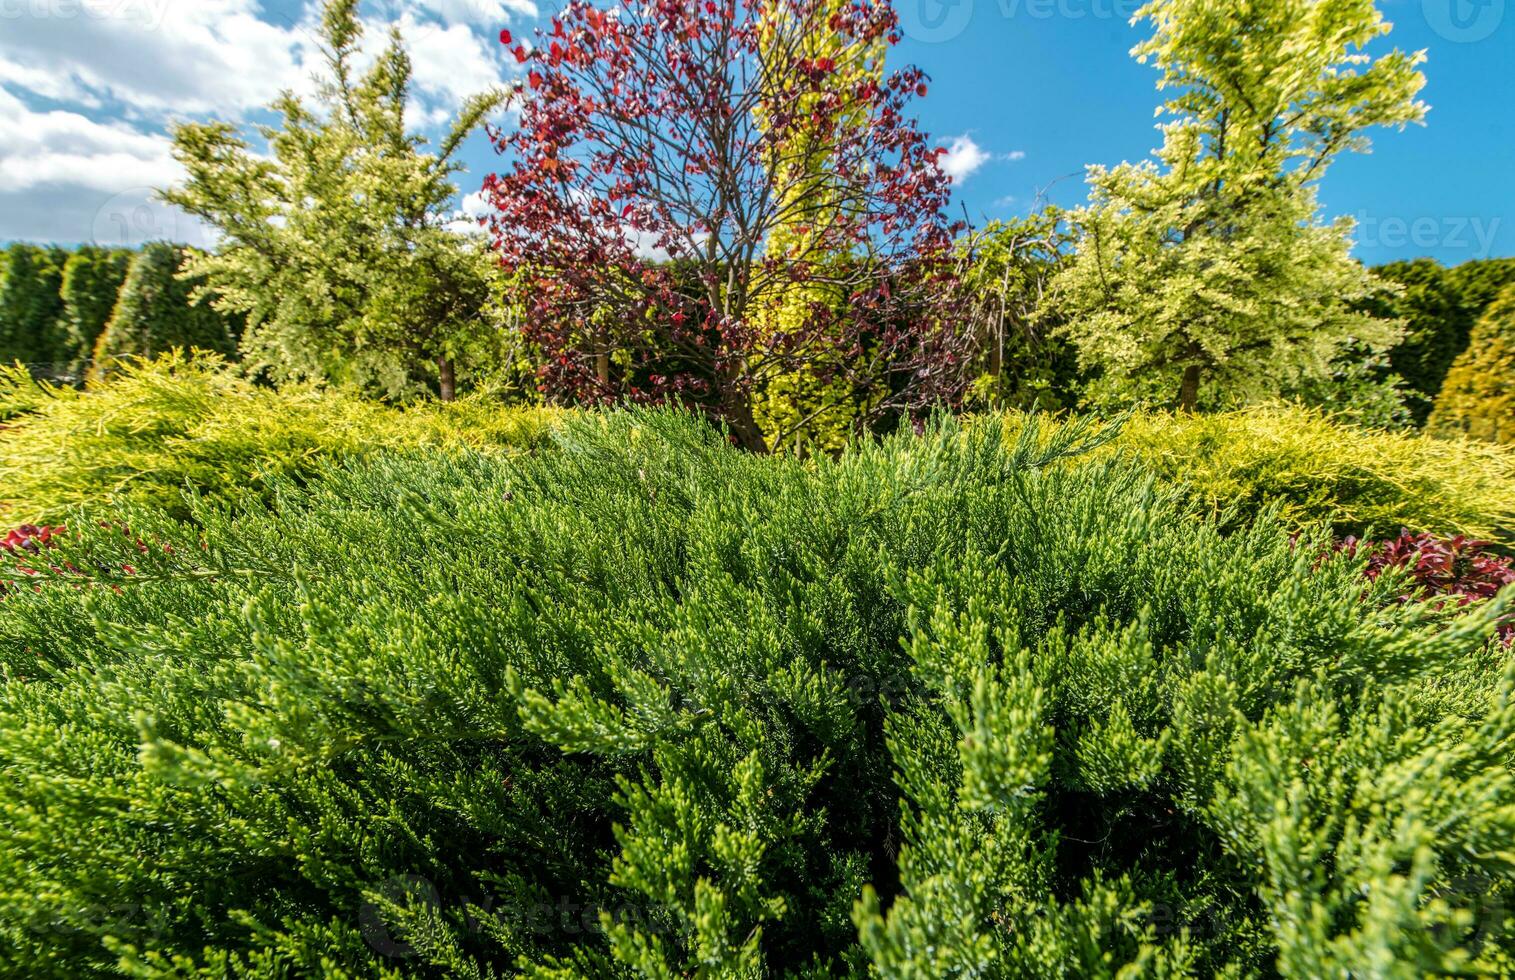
(91, 283)
(30, 276)
(336, 245)
(1231, 466)
(1438, 307)
(645, 705)
(184, 424)
(1478, 397)
(156, 312)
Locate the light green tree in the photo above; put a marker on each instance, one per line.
(337, 244)
(1209, 272)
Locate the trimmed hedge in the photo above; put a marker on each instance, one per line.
(649, 706)
(181, 423)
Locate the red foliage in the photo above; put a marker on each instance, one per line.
(28, 539)
(660, 146)
(1458, 568)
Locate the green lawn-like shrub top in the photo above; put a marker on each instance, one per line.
(1314, 469)
(649, 706)
(180, 423)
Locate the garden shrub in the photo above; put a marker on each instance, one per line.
(646, 705)
(1233, 464)
(1478, 397)
(184, 422)
(1458, 569)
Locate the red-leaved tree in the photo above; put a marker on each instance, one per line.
(662, 145)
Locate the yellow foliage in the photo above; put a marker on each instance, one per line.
(182, 422)
(1316, 469)
(1478, 396)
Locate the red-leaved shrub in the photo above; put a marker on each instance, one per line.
(1458, 568)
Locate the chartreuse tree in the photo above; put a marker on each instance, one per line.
(1478, 396)
(646, 705)
(337, 245)
(1208, 273)
(795, 408)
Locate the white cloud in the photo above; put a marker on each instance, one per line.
(449, 63)
(112, 75)
(1014, 155)
(65, 177)
(465, 220)
(59, 147)
(155, 56)
(962, 158)
(477, 13)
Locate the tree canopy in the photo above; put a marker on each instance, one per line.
(1208, 272)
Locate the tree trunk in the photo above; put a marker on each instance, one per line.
(602, 368)
(447, 381)
(1188, 389)
(738, 413)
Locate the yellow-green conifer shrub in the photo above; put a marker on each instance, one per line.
(158, 428)
(1315, 469)
(1478, 397)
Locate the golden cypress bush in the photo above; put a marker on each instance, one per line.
(1314, 469)
(1478, 397)
(184, 422)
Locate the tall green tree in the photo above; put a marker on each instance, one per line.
(30, 305)
(337, 245)
(90, 284)
(1006, 272)
(1209, 272)
(156, 311)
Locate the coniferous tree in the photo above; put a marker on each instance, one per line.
(91, 283)
(156, 311)
(30, 306)
(1209, 272)
(1478, 398)
(337, 244)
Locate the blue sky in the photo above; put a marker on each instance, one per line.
(1024, 92)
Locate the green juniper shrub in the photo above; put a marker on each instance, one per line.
(650, 706)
